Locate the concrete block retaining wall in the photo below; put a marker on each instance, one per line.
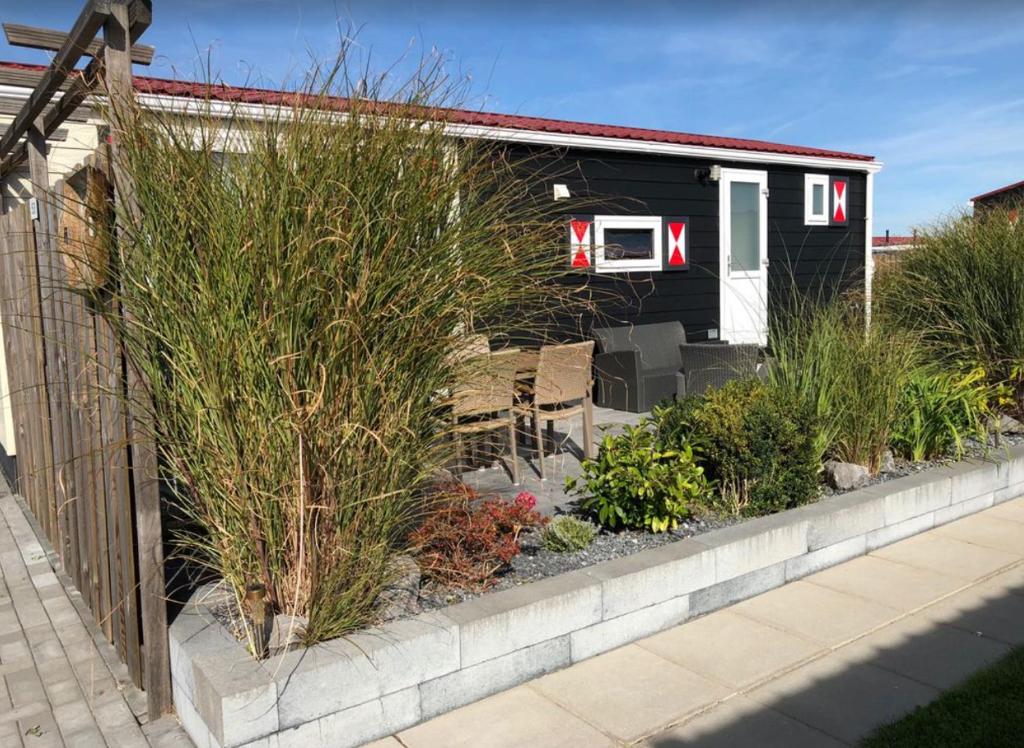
(379, 681)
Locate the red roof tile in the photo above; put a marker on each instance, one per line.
(993, 193)
(889, 241)
(220, 92)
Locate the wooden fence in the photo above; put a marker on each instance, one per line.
(80, 466)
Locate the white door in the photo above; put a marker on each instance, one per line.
(743, 232)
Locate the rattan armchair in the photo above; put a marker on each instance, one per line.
(710, 365)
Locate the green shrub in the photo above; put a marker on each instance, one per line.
(636, 482)
(960, 289)
(938, 410)
(755, 441)
(568, 534)
(850, 377)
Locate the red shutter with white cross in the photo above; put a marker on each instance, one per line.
(676, 244)
(580, 232)
(840, 189)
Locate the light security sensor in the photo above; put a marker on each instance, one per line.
(715, 173)
(561, 192)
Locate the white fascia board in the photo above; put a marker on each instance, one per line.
(186, 105)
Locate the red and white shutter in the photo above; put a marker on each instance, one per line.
(676, 255)
(581, 242)
(840, 189)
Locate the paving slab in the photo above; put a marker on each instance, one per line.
(887, 582)
(940, 552)
(817, 613)
(742, 722)
(731, 649)
(629, 692)
(1011, 510)
(518, 717)
(989, 531)
(843, 698)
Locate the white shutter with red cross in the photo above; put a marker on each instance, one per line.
(840, 188)
(580, 242)
(676, 244)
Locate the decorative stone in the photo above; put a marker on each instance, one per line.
(402, 596)
(286, 633)
(1005, 424)
(888, 462)
(845, 476)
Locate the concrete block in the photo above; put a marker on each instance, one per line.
(1011, 464)
(963, 508)
(906, 528)
(378, 718)
(236, 699)
(1010, 492)
(757, 544)
(972, 478)
(737, 588)
(609, 634)
(916, 495)
(321, 680)
(653, 576)
(822, 558)
(507, 621)
(406, 652)
(838, 518)
(189, 718)
(473, 683)
(193, 637)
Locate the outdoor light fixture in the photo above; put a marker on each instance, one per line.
(708, 174)
(561, 192)
(715, 173)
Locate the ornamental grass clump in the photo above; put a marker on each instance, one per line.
(960, 289)
(295, 282)
(568, 534)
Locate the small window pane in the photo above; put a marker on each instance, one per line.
(629, 244)
(818, 199)
(745, 251)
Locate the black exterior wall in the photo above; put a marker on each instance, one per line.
(616, 183)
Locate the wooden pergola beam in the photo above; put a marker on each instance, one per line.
(89, 21)
(12, 106)
(34, 37)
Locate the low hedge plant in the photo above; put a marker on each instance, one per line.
(756, 442)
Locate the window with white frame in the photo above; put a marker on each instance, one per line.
(816, 199)
(627, 243)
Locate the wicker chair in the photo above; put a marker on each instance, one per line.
(486, 394)
(561, 389)
(710, 365)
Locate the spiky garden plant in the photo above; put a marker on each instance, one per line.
(296, 281)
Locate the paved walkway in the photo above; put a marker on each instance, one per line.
(818, 662)
(59, 682)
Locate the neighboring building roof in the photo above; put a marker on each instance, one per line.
(993, 193)
(220, 92)
(881, 242)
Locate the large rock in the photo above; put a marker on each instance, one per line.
(845, 476)
(402, 596)
(888, 462)
(1004, 424)
(286, 633)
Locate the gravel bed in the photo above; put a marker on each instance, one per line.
(535, 562)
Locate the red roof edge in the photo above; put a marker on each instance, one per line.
(993, 193)
(270, 97)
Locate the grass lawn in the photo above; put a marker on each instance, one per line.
(986, 710)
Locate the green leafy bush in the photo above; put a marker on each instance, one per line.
(938, 410)
(756, 442)
(960, 289)
(849, 376)
(568, 534)
(636, 482)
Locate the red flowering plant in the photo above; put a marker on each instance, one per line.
(464, 542)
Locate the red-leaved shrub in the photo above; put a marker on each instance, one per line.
(464, 543)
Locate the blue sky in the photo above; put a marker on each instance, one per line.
(934, 89)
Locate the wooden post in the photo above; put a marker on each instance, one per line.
(118, 72)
